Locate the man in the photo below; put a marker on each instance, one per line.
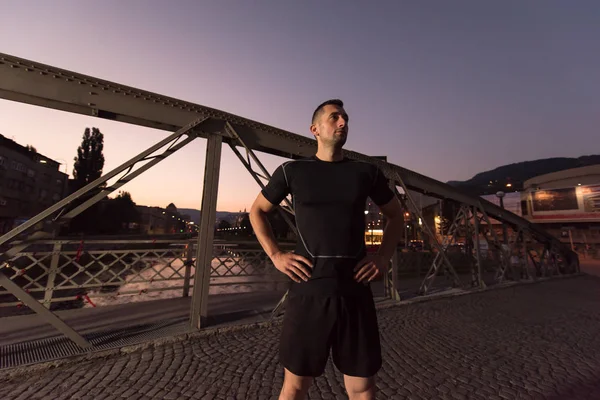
(330, 304)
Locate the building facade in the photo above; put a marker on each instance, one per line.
(29, 183)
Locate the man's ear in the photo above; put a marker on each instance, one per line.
(314, 130)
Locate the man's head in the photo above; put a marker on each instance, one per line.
(330, 124)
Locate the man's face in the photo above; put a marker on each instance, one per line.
(331, 126)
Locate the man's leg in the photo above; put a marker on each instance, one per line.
(360, 388)
(295, 387)
(356, 348)
(305, 342)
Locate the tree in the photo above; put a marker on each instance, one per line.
(90, 158)
(224, 224)
(31, 149)
(246, 226)
(117, 214)
(88, 167)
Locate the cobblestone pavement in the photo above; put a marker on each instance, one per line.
(524, 342)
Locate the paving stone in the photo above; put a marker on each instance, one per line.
(525, 342)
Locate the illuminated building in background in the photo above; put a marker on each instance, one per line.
(374, 224)
(566, 202)
(374, 220)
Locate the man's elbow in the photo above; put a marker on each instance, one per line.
(256, 213)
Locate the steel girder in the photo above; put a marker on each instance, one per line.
(35, 83)
(66, 209)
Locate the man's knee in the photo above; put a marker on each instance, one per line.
(360, 388)
(295, 387)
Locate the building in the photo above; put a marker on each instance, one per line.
(29, 183)
(566, 203)
(584, 176)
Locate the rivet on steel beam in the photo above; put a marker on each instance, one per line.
(68, 80)
(43, 73)
(94, 93)
(91, 104)
(13, 66)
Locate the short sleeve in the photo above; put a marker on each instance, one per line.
(380, 191)
(277, 188)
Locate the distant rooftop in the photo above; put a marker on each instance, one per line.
(11, 144)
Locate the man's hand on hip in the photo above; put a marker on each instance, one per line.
(369, 268)
(293, 265)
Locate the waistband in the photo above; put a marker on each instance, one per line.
(331, 287)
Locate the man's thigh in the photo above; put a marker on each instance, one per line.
(308, 325)
(356, 344)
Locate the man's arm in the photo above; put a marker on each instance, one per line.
(262, 227)
(393, 230)
(293, 265)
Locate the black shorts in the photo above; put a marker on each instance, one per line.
(315, 324)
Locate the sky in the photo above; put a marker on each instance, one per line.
(445, 88)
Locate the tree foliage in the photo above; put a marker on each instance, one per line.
(224, 224)
(89, 162)
(117, 214)
(110, 216)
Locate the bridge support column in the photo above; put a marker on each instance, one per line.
(480, 281)
(204, 251)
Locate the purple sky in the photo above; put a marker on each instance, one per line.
(445, 88)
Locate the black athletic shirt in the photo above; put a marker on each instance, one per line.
(329, 200)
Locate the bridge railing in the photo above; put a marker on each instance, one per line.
(67, 273)
(409, 270)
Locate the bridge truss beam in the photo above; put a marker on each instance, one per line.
(47, 86)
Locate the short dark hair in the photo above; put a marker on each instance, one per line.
(319, 110)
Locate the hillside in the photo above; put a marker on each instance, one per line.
(516, 174)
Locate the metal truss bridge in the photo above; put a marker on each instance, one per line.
(38, 268)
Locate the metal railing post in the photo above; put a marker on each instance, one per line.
(189, 261)
(480, 281)
(52, 274)
(395, 293)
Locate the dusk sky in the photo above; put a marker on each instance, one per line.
(445, 88)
